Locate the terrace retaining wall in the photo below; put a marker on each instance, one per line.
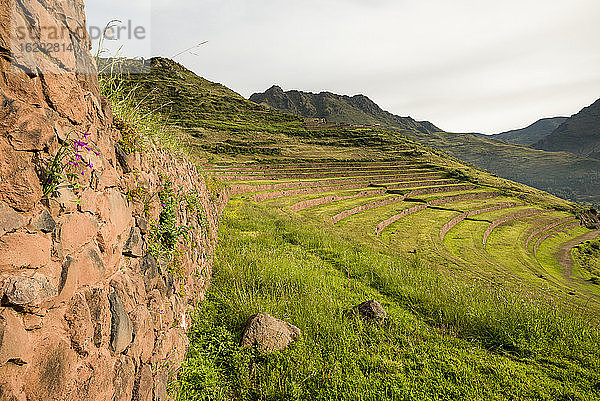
(86, 313)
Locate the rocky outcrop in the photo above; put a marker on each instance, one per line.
(357, 109)
(86, 311)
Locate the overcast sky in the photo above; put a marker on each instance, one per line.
(465, 65)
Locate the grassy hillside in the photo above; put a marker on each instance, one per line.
(580, 134)
(443, 340)
(465, 263)
(532, 133)
(565, 175)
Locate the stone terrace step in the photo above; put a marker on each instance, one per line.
(319, 170)
(322, 174)
(507, 219)
(308, 203)
(546, 228)
(436, 202)
(452, 223)
(295, 166)
(556, 231)
(385, 202)
(237, 189)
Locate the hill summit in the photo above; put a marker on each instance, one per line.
(532, 133)
(580, 134)
(357, 109)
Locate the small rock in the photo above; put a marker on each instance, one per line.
(122, 158)
(44, 222)
(160, 386)
(63, 200)
(149, 270)
(123, 379)
(75, 231)
(142, 224)
(99, 307)
(370, 311)
(143, 392)
(9, 219)
(268, 333)
(134, 246)
(121, 326)
(79, 320)
(32, 322)
(169, 285)
(28, 291)
(14, 340)
(20, 249)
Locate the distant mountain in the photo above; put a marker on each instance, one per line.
(531, 134)
(334, 108)
(580, 134)
(561, 173)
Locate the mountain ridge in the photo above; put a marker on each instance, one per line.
(580, 134)
(532, 133)
(356, 109)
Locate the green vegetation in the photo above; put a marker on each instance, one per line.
(466, 321)
(139, 124)
(165, 234)
(71, 161)
(444, 340)
(587, 257)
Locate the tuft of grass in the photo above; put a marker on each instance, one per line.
(140, 126)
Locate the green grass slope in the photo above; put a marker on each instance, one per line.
(468, 318)
(443, 340)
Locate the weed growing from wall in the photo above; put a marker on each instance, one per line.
(214, 187)
(71, 161)
(132, 139)
(166, 233)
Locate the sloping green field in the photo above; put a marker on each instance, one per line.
(489, 292)
(467, 320)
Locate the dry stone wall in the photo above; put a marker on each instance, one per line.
(87, 313)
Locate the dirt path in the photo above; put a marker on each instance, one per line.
(564, 253)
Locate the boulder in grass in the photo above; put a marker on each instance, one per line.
(268, 333)
(370, 311)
